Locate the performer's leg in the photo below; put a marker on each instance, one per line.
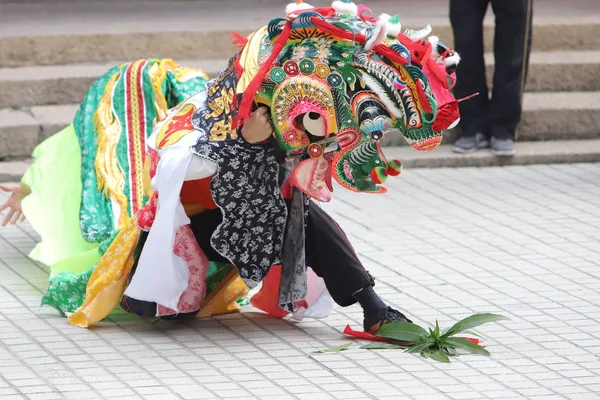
(203, 225)
(330, 254)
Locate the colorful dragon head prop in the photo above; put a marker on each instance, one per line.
(336, 80)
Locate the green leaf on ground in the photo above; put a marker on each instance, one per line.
(382, 346)
(335, 349)
(403, 331)
(437, 355)
(450, 350)
(464, 344)
(472, 322)
(422, 345)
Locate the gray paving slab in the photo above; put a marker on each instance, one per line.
(522, 241)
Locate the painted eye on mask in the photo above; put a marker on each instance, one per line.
(376, 135)
(314, 123)
(373, 118)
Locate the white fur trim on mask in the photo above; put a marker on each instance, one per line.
(434, 40)
(393, 29)
(379, 33)
(454, 59)
(345, 8)
(375, 86)
(293, 7)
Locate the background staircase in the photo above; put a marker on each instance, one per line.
(52, 51)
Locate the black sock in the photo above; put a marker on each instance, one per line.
(371, 304)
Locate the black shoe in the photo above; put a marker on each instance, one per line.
(385, 316)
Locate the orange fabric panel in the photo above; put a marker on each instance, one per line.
(197, 193)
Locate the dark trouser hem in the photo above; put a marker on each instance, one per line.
(501, 133)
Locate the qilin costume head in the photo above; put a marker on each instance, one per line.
(336, 79)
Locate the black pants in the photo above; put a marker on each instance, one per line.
(328, 252)
(499, 116)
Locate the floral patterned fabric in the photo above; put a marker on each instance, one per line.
(66, 291)
(186, 246)
(96, 218)
(246, 189)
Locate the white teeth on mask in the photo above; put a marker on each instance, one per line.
(376, 87)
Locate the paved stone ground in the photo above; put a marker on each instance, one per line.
(444, 243)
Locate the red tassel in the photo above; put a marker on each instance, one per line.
(238, 40)
(239, 70)
(369, 336)
(468, 97)
(324, 11)
(446, 115)
(337, 31)
(246, 104)
(439, 73)
(363, 335)
(390, 54)
(358, 38)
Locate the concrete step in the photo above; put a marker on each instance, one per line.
(67, 84)
(102, 47)
(550, 152)
(62, 32)
(546, 116)
(12, 171)
(557, 71)
(21, 130)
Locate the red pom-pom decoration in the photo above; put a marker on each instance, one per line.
(394, 168)
(379, 175)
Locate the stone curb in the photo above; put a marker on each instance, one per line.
(550, 152)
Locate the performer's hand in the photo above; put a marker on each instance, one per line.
(13, 204)
(258, 127)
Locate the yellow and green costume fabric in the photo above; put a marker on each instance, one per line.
(88, 180)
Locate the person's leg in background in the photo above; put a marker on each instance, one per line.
(332, 257)
(466, 17)
(512, 42)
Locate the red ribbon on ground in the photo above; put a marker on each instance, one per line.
(369, 336)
